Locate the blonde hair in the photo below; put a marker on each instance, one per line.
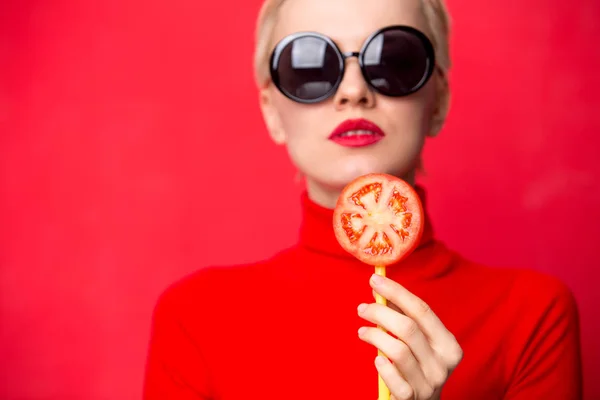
(438, 21)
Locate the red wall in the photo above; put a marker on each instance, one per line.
(130, 132)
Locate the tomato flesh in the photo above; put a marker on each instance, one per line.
(379, 219)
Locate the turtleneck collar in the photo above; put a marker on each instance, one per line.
(430, 259)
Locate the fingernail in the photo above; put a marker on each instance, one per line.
(362, 331)
(380, 361)
(377, 280)
(362, 308)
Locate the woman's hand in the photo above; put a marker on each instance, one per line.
(425, 352)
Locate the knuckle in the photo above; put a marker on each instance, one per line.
(456, 356)
(423, 308)
(406, 393)
(439, 377)
(399, 352)
(427, 392)
(408, 329)
(451, 354)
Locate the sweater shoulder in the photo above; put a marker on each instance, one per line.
(210, 283)
(524, 288)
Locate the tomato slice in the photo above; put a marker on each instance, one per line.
(378, 219)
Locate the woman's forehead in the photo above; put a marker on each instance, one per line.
(348, 22)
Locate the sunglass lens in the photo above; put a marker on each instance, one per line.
(307, 69)
(397, 62)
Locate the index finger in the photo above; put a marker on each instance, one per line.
(416, 309)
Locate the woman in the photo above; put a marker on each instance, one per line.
(353, 87)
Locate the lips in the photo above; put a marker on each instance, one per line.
(356, 133)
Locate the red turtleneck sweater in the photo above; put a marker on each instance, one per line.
(286, 328)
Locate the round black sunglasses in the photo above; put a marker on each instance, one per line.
(308, 67)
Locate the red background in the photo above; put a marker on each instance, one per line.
(131, 135)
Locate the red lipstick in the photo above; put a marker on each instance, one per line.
(356, 133)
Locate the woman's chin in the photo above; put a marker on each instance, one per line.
(334, 176)
(339, 177)
(348, 171)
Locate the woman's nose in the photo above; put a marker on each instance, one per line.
(354, 90)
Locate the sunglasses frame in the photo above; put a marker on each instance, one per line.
(342, 56)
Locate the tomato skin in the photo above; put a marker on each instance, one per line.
(378, 219)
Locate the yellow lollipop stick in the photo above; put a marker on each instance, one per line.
(384, 392)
